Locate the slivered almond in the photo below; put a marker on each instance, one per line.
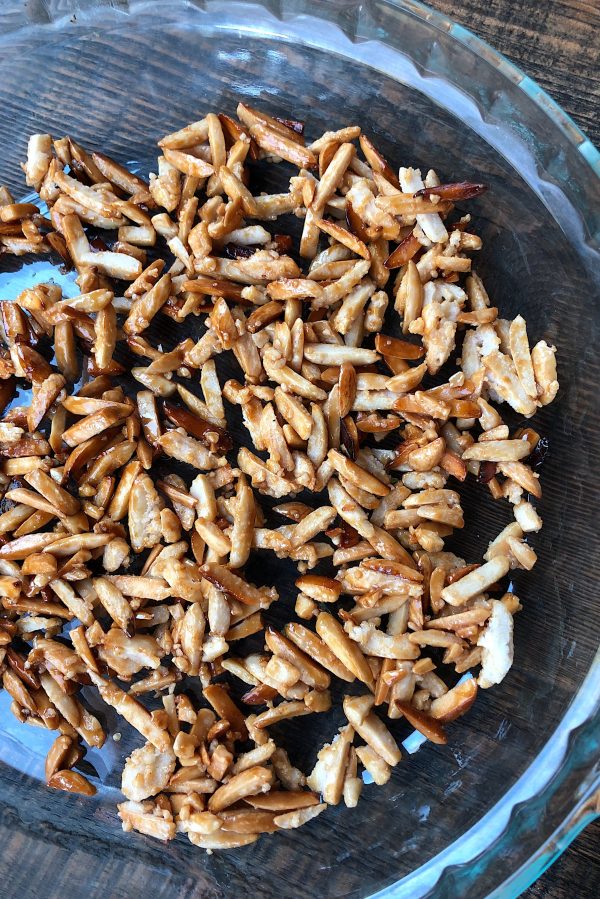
(319, 587)
(349, 654)
(226, 708)
(71, 782)
(358, 711)
(455, 702)
(246, 783)
(298, 817)
(357, 475)
(311, 674)
(230, 583)
(283, 800)
(393, 346)
(424, 723)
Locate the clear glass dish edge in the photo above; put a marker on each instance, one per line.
(574, 747)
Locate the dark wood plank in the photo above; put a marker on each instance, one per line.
(575, 873)
(556, 42)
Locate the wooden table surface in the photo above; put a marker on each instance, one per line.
(556, 42)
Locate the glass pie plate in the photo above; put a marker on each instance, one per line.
(520, 775)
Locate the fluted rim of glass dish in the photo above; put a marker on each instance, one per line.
(569, 763)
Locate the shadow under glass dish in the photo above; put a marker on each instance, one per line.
(118, 87)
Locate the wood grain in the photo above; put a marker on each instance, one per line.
(556, 42)
(575, 874)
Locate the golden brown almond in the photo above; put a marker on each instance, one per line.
(18, 664)
(311, 674)
(349, 654)
(225, 707)
(247, 820)
(246, 783)
(393, 346)
(313, 646)
(283, 800)
(281, 712)
(230, 583)
(424, 723)
(319, 587)
(358, 711)
(357, 475)
(57, 754)
(455, 702)
(461, 190)
(71, 782)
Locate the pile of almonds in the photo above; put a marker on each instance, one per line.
(129, 513)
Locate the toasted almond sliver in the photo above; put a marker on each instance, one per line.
(187, 449)
(247, 821)
(319, 587)
(222, 840)
(476, 581)
(311, 525)
(371, 728)
(226, 708)
(313, 646)
(79, 607)
(188, 164)
(133, 712)
(299, 817)
(521, 355)
(281, 712)
(332, 354)
(277, 145)
(192, 134)
(114, 602)
(94, 424)
(349, 510)
(289, 378)
(432, 637)
(246, 783)
(502, 373)
(48, 487)
(231, 583)
(543, 358)
(147, 305)
(497, 451)
(357, 475)
(66, 546)
(294, 412)
(423, 722)
(311, 674)
(30, 498)
(349, 654)
(71, 782)
(455, 702)
(283, 800)
(345, 237)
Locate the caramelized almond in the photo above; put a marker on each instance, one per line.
(57, 754)
(421, 721)
(404, 252)
(71, 782)
(198, 427)
(459, 190)
(393, 346)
